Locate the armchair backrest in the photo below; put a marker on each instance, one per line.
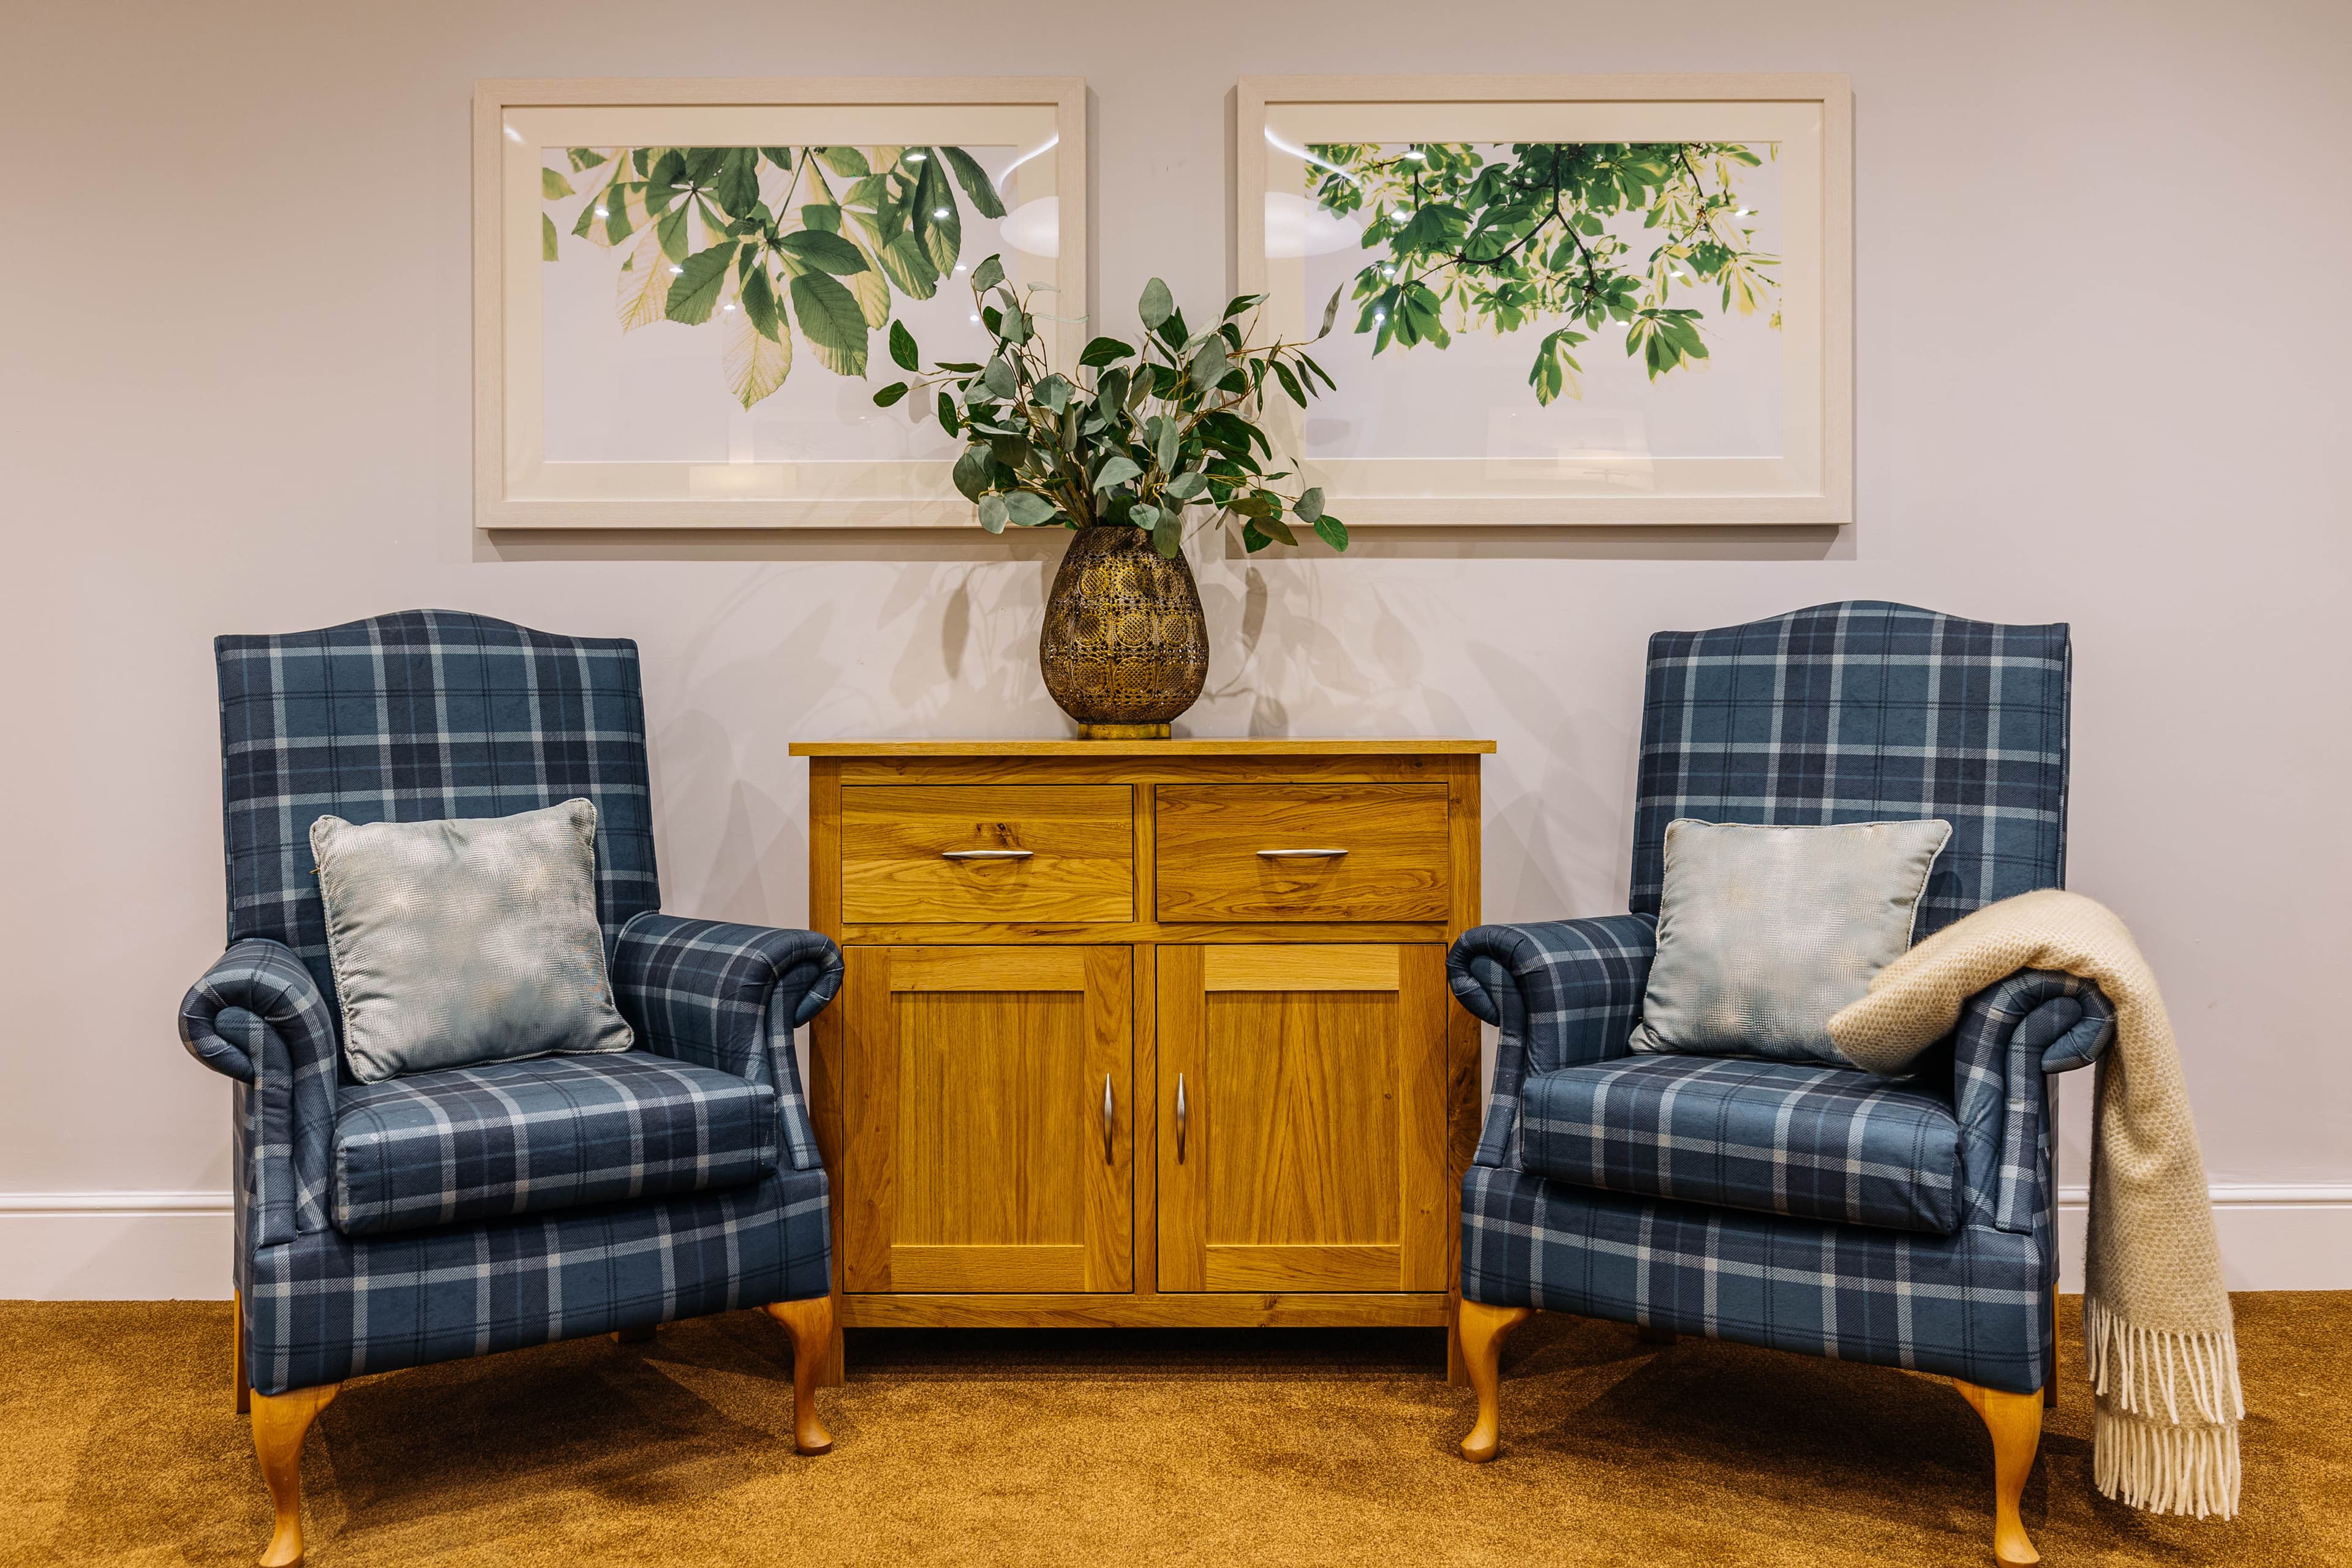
(1865, 712)
(415, 717)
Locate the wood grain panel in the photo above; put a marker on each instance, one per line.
(1395, 867)
(989, 969)
(1465, 814)
(825, 1032)
(1292, 967)
(1429, 1201)
(869, 1100)
(1319, 1118)
(1297, 1267)
(1076, 934)
(1091, 764)
(1299, 1122)
(1180, 1049)
(987, 1267)
(975, 1086)
(824, 846)
(989, 1150)
(1108, 1161)
(1143, 1187)
(1207, 1308)
(1080, 840)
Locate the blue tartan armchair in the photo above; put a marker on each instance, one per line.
(1809, 1208)
(461, 1213)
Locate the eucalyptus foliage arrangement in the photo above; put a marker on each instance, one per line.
(1169, 426)
(1498, 243)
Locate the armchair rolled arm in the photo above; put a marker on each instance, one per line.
(257, 1016)
(2011, 1035)
(2083, 1041)
(256, 982)
(1561, 992)
(727, 996)
(700, 991)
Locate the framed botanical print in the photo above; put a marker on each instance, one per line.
(1561, 300)
(685, 292)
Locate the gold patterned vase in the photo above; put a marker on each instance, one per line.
(1125, 647)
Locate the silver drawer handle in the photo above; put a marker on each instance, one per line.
(1110, 1114)
(985, 853)
(1181, 1118)
(1300, 854)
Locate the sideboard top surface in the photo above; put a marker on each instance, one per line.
(1209, 746)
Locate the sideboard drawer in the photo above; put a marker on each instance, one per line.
(1303, 852)
(987, 853)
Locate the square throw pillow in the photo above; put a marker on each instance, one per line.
(1763, 932)
(465, 942)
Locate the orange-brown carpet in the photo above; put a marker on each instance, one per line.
(118, 1445)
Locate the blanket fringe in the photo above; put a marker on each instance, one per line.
(2147, 1451)
(2163, 1467)
(2140, 1369)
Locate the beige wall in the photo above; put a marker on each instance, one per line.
(2103, 345)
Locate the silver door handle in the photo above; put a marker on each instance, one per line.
(1300, 854)
(1180, 1118)
(1110, 1113)
(985, 853)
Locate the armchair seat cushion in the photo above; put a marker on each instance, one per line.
(554, 1132)
(1784, 1138)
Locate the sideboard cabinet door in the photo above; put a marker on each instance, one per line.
(989, 1110)
(1309, 1152)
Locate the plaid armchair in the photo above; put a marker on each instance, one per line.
(1809, 1208)
(454, 1214)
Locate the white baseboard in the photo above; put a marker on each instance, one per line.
(162, 1247)
(115, 1247)
(2290, 1237)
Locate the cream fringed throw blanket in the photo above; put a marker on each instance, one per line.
(2156, 1317)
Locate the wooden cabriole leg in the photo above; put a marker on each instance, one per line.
(810, 1325)
(279, 1424)
(1482, 1329)
(2015, 1422)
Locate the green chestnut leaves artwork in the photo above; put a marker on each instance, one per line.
(1166, 426)
(1503, 238)
(769, 239)
(812, 243)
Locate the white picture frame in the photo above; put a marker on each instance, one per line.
(1782, 414)
(581, 422)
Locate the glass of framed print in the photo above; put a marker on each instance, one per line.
(685, 291)
(1563, 299)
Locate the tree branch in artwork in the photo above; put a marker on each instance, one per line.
(759, 240)
(1501, 237)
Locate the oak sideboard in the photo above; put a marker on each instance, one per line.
(1144, 1033)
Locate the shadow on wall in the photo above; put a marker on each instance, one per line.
(920, 642)
(1377, 664)
(1304, 643)
(978, 663)
(1323, 647)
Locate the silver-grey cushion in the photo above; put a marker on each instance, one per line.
(1763, 932)
(466, 941)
